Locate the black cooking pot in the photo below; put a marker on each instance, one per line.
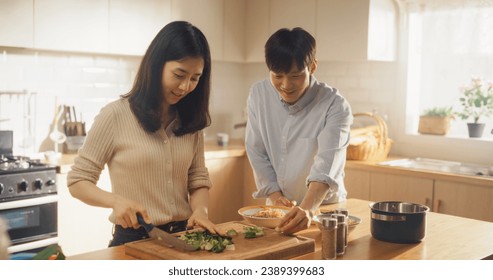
(398, 222)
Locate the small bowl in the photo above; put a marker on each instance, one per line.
(353, 221)
(248, 212)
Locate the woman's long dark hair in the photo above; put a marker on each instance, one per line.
(175, 41)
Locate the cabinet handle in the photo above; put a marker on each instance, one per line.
(436, 205)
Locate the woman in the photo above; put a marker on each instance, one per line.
(151, 139)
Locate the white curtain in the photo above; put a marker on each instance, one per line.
(450, 41)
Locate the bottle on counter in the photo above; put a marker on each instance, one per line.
(341, 233)
(329, 238)
(346, 213)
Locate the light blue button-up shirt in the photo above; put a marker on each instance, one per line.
(290, 146)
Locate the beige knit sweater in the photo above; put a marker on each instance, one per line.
(156, 170)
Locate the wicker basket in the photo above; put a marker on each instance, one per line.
(370, 143)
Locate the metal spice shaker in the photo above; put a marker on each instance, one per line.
(346, 213)
(341, 233)
(329, 238)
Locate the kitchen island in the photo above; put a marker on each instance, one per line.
(447, 238)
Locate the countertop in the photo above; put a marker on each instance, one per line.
(447, 238)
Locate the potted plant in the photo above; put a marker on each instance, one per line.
(477, 103)
(435, 120)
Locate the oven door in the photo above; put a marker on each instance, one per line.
(32, 220)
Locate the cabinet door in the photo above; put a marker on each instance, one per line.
(226, 194)
(133, 24)
(71, 25)
(16, 23)
(357, 183)
(292, 13)
(257, 29)
(391, 187)
(207, 16)
(465, 200)
(234, 30)
(355, 30)
(81, 227)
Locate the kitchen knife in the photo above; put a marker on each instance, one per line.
(164, 237)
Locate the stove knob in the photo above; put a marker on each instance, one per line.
(50, 182)
(1, 188)
(38, 184)
(23, 186)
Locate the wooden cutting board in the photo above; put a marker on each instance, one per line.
(271, 246)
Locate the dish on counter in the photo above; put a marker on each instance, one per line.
(267, 216)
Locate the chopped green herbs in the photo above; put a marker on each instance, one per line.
(207, 241)
(252, 232)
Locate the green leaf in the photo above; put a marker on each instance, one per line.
(48, 252)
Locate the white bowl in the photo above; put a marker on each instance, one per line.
(248, 212)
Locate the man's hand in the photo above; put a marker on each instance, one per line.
(295, 220)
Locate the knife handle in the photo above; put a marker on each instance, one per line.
(147, 227)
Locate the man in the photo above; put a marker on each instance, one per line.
(297, 131)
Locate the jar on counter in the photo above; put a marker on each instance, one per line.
(329, 238)
(341, 233)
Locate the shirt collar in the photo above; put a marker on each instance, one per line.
(303, 101)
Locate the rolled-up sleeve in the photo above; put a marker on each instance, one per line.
(198, 174)
(332, 141)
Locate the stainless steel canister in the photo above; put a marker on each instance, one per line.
(341, 232)
(329, 238)
(346, 213)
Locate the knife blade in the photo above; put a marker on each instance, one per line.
(163, 237)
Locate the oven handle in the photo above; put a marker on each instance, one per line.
(32, 245)
(29, 202)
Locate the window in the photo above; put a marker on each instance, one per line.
(449, 42)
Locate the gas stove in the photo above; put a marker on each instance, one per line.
(22, 177)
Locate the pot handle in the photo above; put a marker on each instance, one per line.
(387, 218)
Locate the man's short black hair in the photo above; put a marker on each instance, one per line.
(286, 47)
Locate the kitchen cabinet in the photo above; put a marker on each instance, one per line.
(82, 227)
(357, 183)
(292, 13)
(345, 30)
(207, 16)
(263, 18)
(221, 21)
(458, 195)
(133, 24)
(80, 26)
(392, 187)
(16, 23)
(256, 29)
(356, 30)
(233, 185)
(225, 196)
(461, 199)
(233, 31)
